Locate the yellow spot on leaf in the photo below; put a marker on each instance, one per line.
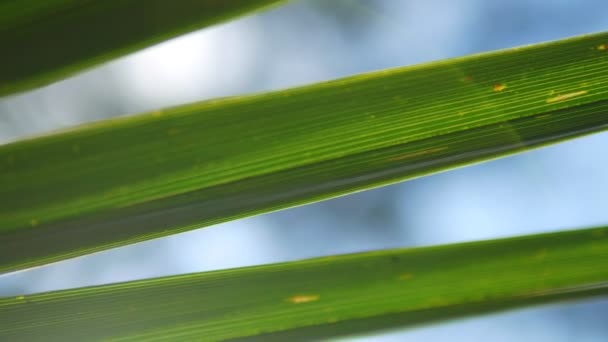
(602, 47)
(405, 276)
(20, 297)
(419, 153)
(34, 222)
(172, 131)
(498, 87)
(157, 113)
(300, 299)
(543, 116)
(566, 96)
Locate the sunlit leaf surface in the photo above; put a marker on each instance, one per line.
(130, 179)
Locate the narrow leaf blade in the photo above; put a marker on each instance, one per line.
(325, 296)
(135, 178)
(45, 41)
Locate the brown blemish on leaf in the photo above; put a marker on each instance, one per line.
(598, 233)
(405, 276)
(418, 153)
(301, 299)
(566, 96)
(498, 87)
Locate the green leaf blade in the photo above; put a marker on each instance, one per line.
(324, 296)
(45, 41)
(146, 176)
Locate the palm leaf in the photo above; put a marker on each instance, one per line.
(44, 41)
(135, 178)
(322, 297)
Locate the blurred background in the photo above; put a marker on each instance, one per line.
(559, 187)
